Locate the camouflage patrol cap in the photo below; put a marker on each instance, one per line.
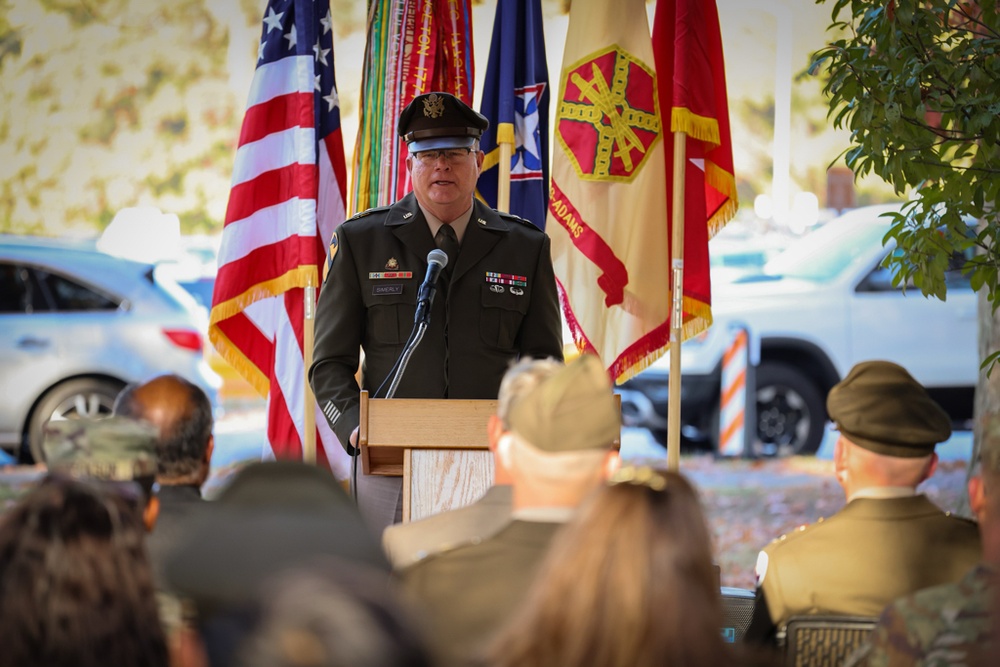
(573, 409)
(113, 449)
(880, 407)
(440, 120)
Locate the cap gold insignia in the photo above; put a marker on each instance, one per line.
(407, 215)
(392, 264)
(434, 106)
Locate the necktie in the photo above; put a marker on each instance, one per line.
(448, 241)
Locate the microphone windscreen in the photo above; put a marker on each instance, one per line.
(438, 256)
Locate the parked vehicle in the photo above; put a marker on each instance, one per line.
(77, 325)
(822, 305)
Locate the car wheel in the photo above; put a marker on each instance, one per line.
(790, 412)
(75, 399)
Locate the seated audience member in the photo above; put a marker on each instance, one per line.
(182, 413)
(76, 589)
(115, 450)
(559, 448)
(953, 622)
(332, 613)
(272, 516)
(889, 540)
(629, 581)
(406, 543)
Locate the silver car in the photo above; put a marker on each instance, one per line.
(77, 325)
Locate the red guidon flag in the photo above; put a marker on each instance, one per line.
(688, 51)
(607, 204)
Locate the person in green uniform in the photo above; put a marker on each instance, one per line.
(406, 543)
(496, 298)
(559, 449)
(889, 540)
(956, 623)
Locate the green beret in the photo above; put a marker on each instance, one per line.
(440, 120)
(573, 409)
(880, 407)
(114, 449)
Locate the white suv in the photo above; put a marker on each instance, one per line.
(819, 307)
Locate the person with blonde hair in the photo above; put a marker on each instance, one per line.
(407, 543)
(629, 581)
(560, 447)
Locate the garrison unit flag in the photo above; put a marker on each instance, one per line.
(412, 47)
(688, 51)
(516, 100)
(287, 196)
(607, 206)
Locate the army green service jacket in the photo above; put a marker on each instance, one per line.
(869, 553)
(496, 304)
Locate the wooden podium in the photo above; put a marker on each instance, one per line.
(438, 446)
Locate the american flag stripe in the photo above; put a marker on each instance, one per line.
(275, 154)
(287, 196)
(271, 188)
(274, 115)
(263, 227)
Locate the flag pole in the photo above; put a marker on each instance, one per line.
(308, 329)
(505, 142)
(677, 310)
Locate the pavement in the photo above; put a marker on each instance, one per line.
(241, 436)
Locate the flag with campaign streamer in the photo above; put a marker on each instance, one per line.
(687, 45)
(412, 47)
(607, 206)
(287, 195)
(516, 101)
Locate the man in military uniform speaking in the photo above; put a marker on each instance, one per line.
(888, 540)
(496, 296)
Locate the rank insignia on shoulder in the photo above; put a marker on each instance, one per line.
(368, 211)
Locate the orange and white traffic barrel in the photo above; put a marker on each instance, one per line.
(733, 398)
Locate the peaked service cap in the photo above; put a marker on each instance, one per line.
(439, 120)
(879, 406)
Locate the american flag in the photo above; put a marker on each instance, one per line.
(288, 193)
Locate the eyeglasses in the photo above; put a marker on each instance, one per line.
(451, 155)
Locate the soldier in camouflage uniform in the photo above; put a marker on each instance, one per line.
(951, 624)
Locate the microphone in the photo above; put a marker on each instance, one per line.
(437, 259)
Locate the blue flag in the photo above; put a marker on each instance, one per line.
(516, 91)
